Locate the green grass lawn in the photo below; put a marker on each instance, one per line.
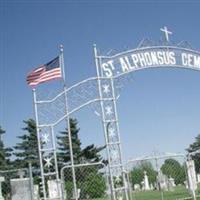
(180, 192)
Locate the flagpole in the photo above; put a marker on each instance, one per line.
(62, 64)
(68, 121)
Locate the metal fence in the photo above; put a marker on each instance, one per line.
(162, 177)
(91, 182)
(16, 184)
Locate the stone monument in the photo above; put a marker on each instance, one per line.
(21, 174)
(136, 187)
(171, 184)
(2, 179)
(162, 181)
(192, 177)
(146, 182)
(21, 189)
(198, 178)
(54, 188)
(142, 186)
(186, 185)
(36, 192)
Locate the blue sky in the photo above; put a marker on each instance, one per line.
(158, 110)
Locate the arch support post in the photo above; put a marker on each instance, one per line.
(107, 96)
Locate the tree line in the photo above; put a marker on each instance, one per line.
(26, 149)
(171, 167)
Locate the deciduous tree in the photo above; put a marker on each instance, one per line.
(172, 168)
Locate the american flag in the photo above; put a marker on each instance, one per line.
(46, 72)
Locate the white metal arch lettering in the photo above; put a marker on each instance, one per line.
(149, 57)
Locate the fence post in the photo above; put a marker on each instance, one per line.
(31, 180)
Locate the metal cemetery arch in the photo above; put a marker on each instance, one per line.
(102, 91)
(121, 64)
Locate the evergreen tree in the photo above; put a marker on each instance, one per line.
(195, 147)
(89, 177)
(27, 149)
(91, 153)
(5, 153)
(63, 144)
(88, 154)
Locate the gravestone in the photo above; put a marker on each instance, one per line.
(146, 182)
(78, 194)
(142, 186)
(136, 187)
(171, 184)
(20, 189)
(186, 185)
(192, 178)
(162, 181)
(54, 188)
(21, 174)
(36, 192)
(198, 178)
(2, 179)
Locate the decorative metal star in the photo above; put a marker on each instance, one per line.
(109, 110)
(115, 155)
(48, 162)
(112, 132)
(106, 89)
(45, 138)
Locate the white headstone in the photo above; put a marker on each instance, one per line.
(142, 184)
(198, 178)
(20, 189)
(21, 174)
(192, 180)
(137, 187)
(146, 181)
(54, 188)
(78, 194)
(162, 181)
(2, 179)
(186, 185)
(171, 184)
(36, 192)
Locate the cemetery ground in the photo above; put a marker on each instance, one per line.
(179, 193)
(169, 173)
